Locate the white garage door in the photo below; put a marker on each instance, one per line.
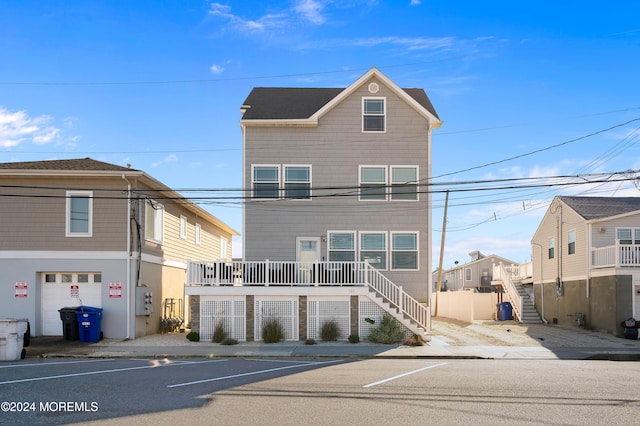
(61, 290)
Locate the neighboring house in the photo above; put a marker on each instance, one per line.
(474, 275)
(586, 262)
(84, 232)
(337, 201)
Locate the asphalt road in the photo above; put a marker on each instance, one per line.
(236, 391)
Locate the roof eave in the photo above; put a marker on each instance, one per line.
(278, 122)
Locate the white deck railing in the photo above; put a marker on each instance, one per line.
(278, 273)
(616, 256)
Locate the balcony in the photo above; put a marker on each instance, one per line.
(616, 256)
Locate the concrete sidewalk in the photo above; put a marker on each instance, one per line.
(450, 339)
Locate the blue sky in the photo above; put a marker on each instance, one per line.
(159, 85)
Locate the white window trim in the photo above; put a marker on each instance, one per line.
(158, 221)
(549, 247)
(575, 237)
(224, 248)
(355, 243)
(253, 182)
(384, 115)
(283, 179)
(390, 184)
(470, 274)
(183, 227)
(198, 234)
(89, 195)
(282, 168)
(417, 234)
(386, 248)
(385, 183)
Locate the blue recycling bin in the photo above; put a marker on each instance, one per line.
(506, 311)
(89, 320)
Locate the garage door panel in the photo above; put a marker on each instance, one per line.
(56, 296)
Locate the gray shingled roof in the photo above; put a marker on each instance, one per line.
(601, 207)
(79, 164)
(273, 103)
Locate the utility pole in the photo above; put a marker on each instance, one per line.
(444, 230)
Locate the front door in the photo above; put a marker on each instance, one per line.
(307, 254)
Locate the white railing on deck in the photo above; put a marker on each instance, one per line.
(616, 256)
(266, 273)
(510, 289)
(279, 273)
(516, 272)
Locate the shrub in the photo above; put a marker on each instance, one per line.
(387, 332)
(354, 338)
(309, 342)
(229, 341)
(219, 334)
(193, 336)
(330, 331)
(272, 331)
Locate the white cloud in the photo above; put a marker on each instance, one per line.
(171, 158)
(266, 22)
(310, 10)
(17, 127)
(216, 69)
(414, 2)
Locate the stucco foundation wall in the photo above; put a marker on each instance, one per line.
(609, 302)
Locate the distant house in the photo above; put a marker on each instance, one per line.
(586, 262)
(337, 222)
(85, 232)
(474, 275)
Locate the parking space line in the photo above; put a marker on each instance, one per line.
(252, 373)
(403, 375)
(157, 364)
(55, 363)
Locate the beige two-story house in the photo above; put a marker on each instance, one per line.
(337, 203)
(586, 262)
(83, 232)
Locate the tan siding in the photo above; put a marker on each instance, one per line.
(38, 222)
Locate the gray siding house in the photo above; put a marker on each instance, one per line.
(84, 232)
(586, 262)
(336, 201)
(477, 274)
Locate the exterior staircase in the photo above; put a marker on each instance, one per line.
(523, 309)
(399, 315)
(529, 315)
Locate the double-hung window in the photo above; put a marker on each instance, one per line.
(373, 248)
(183, 227)
(266, 181)
(153, 221)
(404, 183)
(395, 183)
(373, 182)
(297, 182)
(342, 247)
(373, 115)
(552, 248)
(571, 246)
(79, 220)
(198, 232)
(404, 250)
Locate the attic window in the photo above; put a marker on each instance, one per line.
(373, 115)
